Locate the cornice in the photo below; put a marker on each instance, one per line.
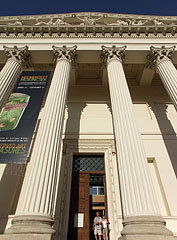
(88, 25)
(87, 31)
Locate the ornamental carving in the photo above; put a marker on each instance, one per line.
(65, 53)
(113, 53)
(19, 54)
(129, 22)
(16, 23)
(158, 23)
(87, 24)
(119, 23)
(88, 21)
(51, 22)
(158, 55)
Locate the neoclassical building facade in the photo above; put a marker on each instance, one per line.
(105, 136)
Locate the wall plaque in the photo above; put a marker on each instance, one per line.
(79, 220)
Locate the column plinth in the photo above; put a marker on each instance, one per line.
(35, 209)
(139, 204)
(160, 60)
(145, 227)
(11, 71)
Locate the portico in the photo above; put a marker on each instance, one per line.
(95, 78)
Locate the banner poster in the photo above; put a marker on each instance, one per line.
(19, 116)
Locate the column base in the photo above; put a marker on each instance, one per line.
(147, 237)
(31, 224)
(145, 228)
(28, 237)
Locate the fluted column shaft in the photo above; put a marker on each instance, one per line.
(38, 188)
(161, 61)
(141, 215)
(137, 193)
(168, 74)
(11, 71)
(36, 200)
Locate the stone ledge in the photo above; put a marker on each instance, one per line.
(147, 237)
(28, 237)
(145, 225)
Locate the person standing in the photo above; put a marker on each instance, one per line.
(105, 228)
(97, 223)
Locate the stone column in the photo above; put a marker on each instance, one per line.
(141, 216)
(34, 214)
(160, 60)
(11, 71)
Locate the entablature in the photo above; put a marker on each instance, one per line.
(88, 25)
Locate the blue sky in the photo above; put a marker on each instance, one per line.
(147, 7)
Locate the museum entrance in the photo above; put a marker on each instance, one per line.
(88, 195)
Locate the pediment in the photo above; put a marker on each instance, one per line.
(88, 24)
(88, 19)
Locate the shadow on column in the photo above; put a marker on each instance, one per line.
(10, 187)
(120, 192)
(166, 128)
(65, 218)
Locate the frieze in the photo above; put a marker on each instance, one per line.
(88, 19)
(87, 25)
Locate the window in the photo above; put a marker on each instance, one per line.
(88, 163)
(96, 184)
(96, 190)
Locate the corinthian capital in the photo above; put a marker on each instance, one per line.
(158, 55)
(113, 53)
(65, 53)
(19, 54)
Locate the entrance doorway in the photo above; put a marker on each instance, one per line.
(88, 195)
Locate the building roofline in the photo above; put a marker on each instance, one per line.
(120, 15)
(88, 24)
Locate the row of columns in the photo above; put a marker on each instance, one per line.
(141, 214)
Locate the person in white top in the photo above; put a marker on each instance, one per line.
(105, 228)
(97, 223)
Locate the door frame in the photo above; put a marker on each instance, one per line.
(88, 146)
